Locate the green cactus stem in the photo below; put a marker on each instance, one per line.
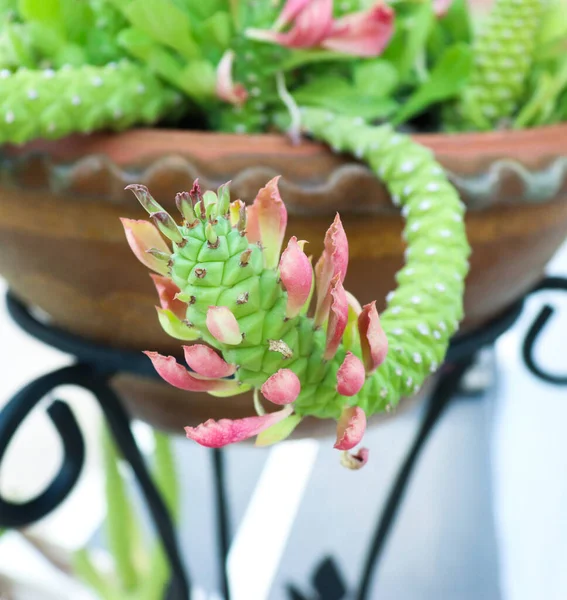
(50, 104)
(424, 311)
(503, 56)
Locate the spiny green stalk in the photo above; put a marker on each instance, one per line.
(50, 104)
(254, 67)
(503, 56)
(424, 311)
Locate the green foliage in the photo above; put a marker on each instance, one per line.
(508, 71)
(139, 569)
(50, 104)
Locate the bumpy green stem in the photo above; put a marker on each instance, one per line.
(254, 68)
(50, 104)
(503, 55)
(426, 308)
(422, 314)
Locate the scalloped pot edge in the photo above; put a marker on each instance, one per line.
(487, 168)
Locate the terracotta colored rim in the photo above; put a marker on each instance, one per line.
(504, 167)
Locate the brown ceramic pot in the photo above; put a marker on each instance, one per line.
(63, 248)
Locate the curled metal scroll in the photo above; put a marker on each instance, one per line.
(91, 375)
(13, 514)
(538, 326)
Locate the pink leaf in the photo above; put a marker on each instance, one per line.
(441, 7)
(143, 236)
(206, 362)
(223, 326)
(226, 89)
(333, 262)
(311, 22)
(267, 219)
(338, 317)
(282, 387)
(167, 290)
(373, 340)
(297, 277)
(350, 428)
(312, 25)
(350, 376)
(178, 376)
(363, 33)
(290, 11)
(355, 461)
(216, 434)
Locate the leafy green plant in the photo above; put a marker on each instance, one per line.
(232, 69)
(136, 573)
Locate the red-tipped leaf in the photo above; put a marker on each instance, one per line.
(167, 291)
(282, 387)
(333, 262)
(216, 434)
(338, 317)
(350, 376)
(373, 340)
(206, 362)
(297, 277)
(267, 220)
(350, 428)
(178, 376)
(143, 236)
(223, 326)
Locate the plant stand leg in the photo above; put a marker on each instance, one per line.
(15, 515)
(223, 517)
(444, 392)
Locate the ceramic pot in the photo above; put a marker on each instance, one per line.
(63, 248)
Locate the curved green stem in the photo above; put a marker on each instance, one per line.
(51, 104)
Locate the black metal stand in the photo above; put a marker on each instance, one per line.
(96, 364)
(95, 367)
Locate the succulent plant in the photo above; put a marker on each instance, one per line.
(224, 284)
(503, 57)
(240, 65)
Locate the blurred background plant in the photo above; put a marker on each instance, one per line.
(138, 570)
(237, 66)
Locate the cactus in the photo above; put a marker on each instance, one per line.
(224, 283)
(503, 56)
(51, 104)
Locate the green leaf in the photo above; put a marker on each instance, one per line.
(539, 110)
(170, 323)
(553, 27)
(278, 432)
(410, 38)
(120, 523)
(201, 9)
(165, 472)
(46, 11)
(78, 19)
(445, 81)
(89, 574)
(301, 58)
(19, 48)
(457, 22)
(165, 23)
(198, 79)
(376, 78)
(336, 94)
(215, 34)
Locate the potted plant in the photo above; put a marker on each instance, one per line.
(220, 79)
